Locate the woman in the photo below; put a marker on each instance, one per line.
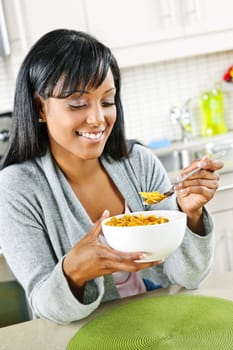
(68, 166)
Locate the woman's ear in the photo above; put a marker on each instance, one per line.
(41, 108)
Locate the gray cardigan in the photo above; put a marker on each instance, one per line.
(41, 219)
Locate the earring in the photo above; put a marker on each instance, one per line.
(40, 120)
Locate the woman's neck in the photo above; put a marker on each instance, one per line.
(78, 171)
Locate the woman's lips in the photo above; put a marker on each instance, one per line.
(90, 135)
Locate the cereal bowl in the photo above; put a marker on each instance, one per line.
(156, 240)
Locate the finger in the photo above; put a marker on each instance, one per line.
(204, 163)
(203, 191)
(116, 255)
(96, 229)
(209, 164)
(112, 261)
(199, 176)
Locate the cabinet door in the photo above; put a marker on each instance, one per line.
(221, 207)
(126, 23)
(28, 20)
(205, 16)
(147, 31)
(223, 260)
(43, 16)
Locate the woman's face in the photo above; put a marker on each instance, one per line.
(81, 124)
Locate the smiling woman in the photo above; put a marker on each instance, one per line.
(81, 123)
(68, 167)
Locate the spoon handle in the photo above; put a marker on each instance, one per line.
(214, 156)
(192, 172)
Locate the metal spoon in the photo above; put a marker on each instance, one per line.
(171, 191)
(159, 197)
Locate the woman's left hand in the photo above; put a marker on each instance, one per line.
(199, 189)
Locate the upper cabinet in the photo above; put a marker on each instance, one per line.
(127, 23)
(45, 15)
(145, 31)
(138, 31)
(206, 16)
(28, 20)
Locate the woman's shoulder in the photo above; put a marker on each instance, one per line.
(142, 153)
(20, 174)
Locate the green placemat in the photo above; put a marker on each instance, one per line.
(179, 322)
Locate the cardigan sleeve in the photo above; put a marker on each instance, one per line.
(193, 260)
(35, 264)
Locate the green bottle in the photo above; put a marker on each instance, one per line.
(212, 113)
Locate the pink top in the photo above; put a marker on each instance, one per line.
(128, 283)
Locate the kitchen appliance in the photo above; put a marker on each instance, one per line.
(5, 123)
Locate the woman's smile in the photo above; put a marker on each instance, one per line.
(93, 136)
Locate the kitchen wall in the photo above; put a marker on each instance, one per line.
(7, 78)
(149, 91)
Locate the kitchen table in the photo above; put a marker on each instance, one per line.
(41, 334)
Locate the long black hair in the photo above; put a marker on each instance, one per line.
(80, 60)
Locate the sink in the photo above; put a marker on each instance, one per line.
(171, 160)
(177, 159)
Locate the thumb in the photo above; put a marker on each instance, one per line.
(96, 229)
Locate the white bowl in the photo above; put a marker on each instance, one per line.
(156, 241)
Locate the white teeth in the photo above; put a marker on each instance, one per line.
(90, 135)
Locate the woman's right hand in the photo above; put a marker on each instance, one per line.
(90, 258)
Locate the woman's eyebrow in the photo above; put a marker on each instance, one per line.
(81, 92)
(111, 89)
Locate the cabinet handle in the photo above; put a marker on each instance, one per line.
(195, 9)
(170, 14)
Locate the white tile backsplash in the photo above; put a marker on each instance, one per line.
(149, 91)
(6, 84)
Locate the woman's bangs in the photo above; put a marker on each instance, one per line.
(85, 72)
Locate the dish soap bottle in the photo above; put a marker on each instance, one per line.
(212, 113)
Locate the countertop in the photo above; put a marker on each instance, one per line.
(45, 335)
(196, 142)
(200, 143)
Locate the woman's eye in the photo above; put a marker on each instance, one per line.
(77, 106)
(108, 104)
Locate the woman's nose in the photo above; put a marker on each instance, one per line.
(95, 115)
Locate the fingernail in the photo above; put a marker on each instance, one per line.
(142, 256)
(183, 191)
(202, 163)
(105, 213)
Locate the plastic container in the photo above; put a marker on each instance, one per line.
(212, 113)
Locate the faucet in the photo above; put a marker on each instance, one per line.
(181, 115)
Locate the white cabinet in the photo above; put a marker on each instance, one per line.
(205, 16)
(126, 23)
(222, 209)
(45, 15)
(28, 20)
(145, 31)
(224, 241)
(138, 31)
(133, 22)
